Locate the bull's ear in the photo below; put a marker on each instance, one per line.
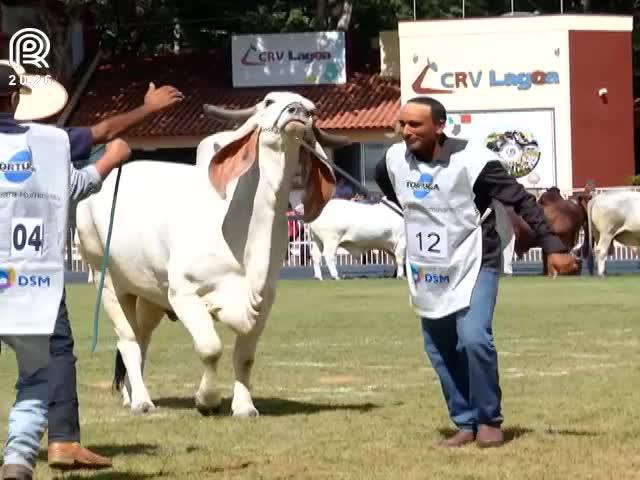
(232, 160)
(319, 187)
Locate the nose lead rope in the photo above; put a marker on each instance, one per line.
(364, 190)
(359, 186)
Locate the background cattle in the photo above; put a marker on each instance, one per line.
(612, 216)
(357, 227)
(566, 217)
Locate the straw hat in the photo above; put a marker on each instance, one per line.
(40, 95)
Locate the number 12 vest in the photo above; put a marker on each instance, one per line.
(442, 224)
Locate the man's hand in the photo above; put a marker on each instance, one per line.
(155, 100)
(116, 153)
(158, 99)
(561, 264)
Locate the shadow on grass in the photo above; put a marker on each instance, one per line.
(114, 450)
(513, 433)
(510, 433)
(570, 432)
(111, 475)
(268, 406)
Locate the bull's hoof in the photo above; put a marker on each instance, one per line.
(208, 405)
(142, 408)
(207, 411)
(248, 411)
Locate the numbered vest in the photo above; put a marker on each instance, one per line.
(34, 200)
(442, 224)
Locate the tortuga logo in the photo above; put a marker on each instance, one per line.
(452, 81)
(254, 57)
(422, 186)
(18, 168)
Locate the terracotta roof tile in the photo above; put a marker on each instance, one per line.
(367, 101)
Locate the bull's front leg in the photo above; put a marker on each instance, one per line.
(507, 256)
(400, 256)
(329, 253)
(192, 311)
(316, 258)
(243, 361)
(244, 356)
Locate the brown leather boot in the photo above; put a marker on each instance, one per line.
(72, 456)
(16, 472)
(460, 438)
(489, 436)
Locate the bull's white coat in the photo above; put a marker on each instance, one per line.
(613, 216)
(356, 227)
(178, 245)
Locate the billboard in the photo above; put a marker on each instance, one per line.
(523, 140)
(312, 58)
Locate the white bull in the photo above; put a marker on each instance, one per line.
(204, 244)
(356, 227)
(613, 216)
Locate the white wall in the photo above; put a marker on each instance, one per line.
(478, 47)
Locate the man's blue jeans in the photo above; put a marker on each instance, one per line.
(28, 416)
(460, 348)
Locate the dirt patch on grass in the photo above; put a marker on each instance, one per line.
(340, 380)
(102, 385)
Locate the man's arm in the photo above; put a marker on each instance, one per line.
(384, 182)
(497, 183)
(155, 100)
(88, 180)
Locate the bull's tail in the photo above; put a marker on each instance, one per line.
(120, 372)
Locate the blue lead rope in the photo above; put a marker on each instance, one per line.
(103, 268)
(105, 261)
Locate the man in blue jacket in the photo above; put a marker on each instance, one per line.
(65, 451)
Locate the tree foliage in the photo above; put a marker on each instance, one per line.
(148, 26)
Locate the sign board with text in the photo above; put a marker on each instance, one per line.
(312, 58)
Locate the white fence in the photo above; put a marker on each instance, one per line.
(299, 254)
(299, 251)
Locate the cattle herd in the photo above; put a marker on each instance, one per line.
(213, 248)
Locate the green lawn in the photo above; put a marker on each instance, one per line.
(345, 390)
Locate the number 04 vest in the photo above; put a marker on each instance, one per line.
(34, 202)
(442, 225)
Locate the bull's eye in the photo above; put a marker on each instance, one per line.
(268, 102)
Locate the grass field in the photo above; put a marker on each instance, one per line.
(345, 390)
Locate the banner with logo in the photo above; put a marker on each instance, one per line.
(312, 58)
(523, 140)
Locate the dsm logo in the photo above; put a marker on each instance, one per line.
(420, 275)
(18, 168)
(423, 186)
(9, 278)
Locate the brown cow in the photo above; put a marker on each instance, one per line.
(565, 217)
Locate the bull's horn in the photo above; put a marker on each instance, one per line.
(226, 114)
(330, 140)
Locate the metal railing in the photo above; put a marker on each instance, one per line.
(299, 248)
